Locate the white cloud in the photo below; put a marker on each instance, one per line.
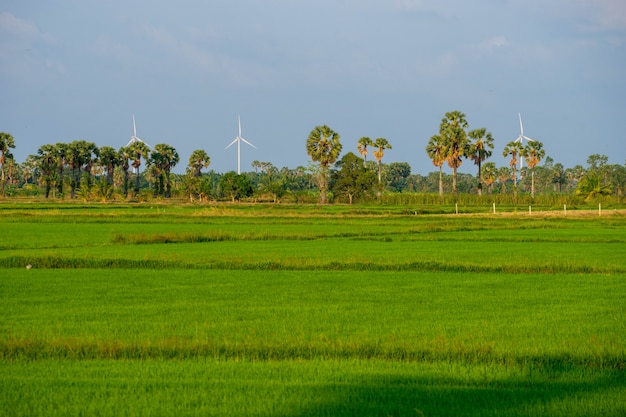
(15, 26)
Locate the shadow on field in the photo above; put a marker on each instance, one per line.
(436, 396)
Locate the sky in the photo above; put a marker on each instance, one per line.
(80, 69)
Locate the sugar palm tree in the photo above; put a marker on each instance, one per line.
(362, 145)
(489, 174)
(480, 150)
(323, 146)
(456, 144)
(6, 144)
(164, 157)
(124, 154)
(504, 174)
(199, 159)
(138, 150)
(533, 153)
(109, 160)
(61, 151)
(381, 144)
(514, 150)
(47, 163)
(435, 150)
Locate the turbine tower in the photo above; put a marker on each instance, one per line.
(134, 137)
(521, 138)
(238, 140)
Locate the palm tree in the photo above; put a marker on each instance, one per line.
(124, 154)
(533, 153)
(61, 151)
(323, 146)
(435, 150)
(480, 150)
(199, 159)
(592, 185)
(6, 142)
(109, 160)
(362, 145)
(456, 145)
(504, 174)
(489, 174)
(164, 157)
(381, 144)
(138, 150)
(513, 149)
(47, 161)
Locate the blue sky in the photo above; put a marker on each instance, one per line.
(79, 69)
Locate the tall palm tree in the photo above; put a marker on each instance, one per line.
(381, 144)
(123, 155)
(199, 159)
(533, 153)
(480, 150)
(362, 145)
(454, 137)
(489, 174)
(6, 143)
(514, 150)
(109, 160)
(323, 146)
(164, 157)
(61, 151)
(435, 150)
(504, 174)
(47, 162)
(138, 150)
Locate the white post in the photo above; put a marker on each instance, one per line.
(456, 206)
(530, 210)
(565, 209)
(599, 209)
(494, 208)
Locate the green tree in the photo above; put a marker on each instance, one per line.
(198, 160)
(533, 153)
(351, 178)
(323, 146)
(124, 154)
(47, 163)
(381, 144)
(236, 186)
(480, 149)
(504, 174)
(6, 144)
(138, 151)
(108, 160)
(398, 174)
(454, 137)
(362, 145)
(62, 162)
(436, 153)
(592, 186)
(489, 174)
(514, 150)
(163, 158)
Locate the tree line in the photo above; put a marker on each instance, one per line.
(82, 169)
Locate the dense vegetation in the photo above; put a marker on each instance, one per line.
(134, 309)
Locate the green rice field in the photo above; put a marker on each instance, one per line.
(272, 310)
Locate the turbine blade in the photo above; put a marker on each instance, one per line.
(529, 139)
(232, 143)
(521, 128)
(247, 142)
(239, 123)
(519, 139)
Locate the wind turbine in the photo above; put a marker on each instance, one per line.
(239, 139)
(521, 138)
(134, 137)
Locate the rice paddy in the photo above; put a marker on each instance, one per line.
(238, 310)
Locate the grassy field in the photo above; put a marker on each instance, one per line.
(297, 311)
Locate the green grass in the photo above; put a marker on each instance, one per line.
(254, 310)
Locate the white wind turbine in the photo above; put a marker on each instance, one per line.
(239, 139)
(134, 137)
(521, 138)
